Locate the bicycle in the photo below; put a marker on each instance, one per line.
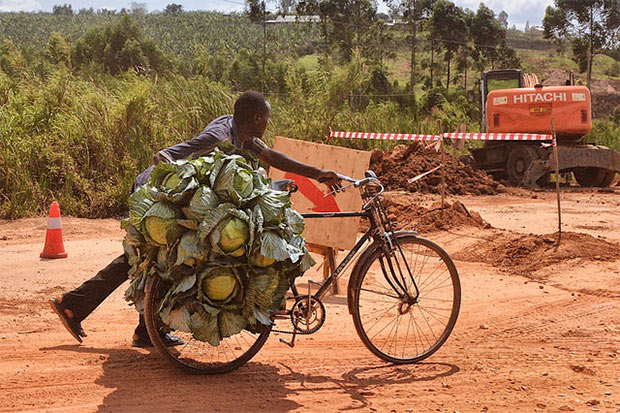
(387, 287)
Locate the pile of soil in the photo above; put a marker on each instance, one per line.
(526, 254)
(407, 213)
(395, 167)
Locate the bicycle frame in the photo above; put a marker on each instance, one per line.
(336, 274)
(371, 233)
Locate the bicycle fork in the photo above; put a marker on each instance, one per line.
(395, 274)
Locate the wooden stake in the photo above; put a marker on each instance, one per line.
(557, 183)
(331, 260)
(443, 169)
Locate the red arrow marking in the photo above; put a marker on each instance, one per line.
(314, 194)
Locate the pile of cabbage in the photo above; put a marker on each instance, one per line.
(227, 244)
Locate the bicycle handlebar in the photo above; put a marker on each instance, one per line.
(358, 182)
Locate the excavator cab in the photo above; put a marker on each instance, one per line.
(502, 79)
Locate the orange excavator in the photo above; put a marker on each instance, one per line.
(514, 102)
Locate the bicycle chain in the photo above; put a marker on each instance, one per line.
(297, 330)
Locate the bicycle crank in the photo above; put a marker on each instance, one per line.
(307, 317)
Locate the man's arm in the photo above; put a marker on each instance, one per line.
(203, 143)
(285, 163)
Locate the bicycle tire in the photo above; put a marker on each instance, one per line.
(184, 360)
(361, 304)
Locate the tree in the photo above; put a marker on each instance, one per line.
(58, 50)
(487, 36)
(466, 50)
(138, 8)
(502, 19)
(173, 8)
(378, 43)
(344, 23)
(286, 6)
(591, 26)
(413, 13)
(118, 48)
(449, 27)
(64, 10)
(256, 10)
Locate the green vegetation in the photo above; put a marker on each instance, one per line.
(87, 98)
(216, 290)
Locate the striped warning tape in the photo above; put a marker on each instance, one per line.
(421, 137)
(499, 136)
(385, 136)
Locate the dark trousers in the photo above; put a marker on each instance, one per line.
(84, 299)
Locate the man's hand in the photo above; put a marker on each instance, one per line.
(331, 179)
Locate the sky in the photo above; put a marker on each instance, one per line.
(519, 11)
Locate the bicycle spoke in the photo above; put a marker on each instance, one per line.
(427, 323)
(379, 318)
(384, 327)
(379, 293)
(198, 356)
(401, 331)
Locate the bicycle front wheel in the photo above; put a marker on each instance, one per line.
(391, 325)
(198, 357)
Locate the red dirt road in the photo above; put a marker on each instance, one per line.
(547, 340)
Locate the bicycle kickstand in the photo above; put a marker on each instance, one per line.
(292, 342)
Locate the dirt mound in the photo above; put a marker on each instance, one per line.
(405, 210)
(526, 254)
(395, 167)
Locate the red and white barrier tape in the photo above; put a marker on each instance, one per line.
(499, 136)
(385, 136)
(526, 137)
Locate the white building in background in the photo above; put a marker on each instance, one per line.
(294, 19)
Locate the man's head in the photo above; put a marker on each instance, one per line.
(252, 112)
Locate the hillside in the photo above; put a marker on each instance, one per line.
(176, 34)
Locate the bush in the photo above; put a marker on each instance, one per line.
(118, 48)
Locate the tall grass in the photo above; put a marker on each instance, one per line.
(82, 139)
(83, 143)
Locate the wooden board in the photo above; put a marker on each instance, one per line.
(337, 233)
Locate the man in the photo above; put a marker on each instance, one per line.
(244, 130)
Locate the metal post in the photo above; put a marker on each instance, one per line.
(557, 182)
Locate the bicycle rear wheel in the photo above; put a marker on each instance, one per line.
(390, 326)
(198, 357)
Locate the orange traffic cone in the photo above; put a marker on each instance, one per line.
(53, 239)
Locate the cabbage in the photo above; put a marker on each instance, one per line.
(171, 181)
(221, 287)
(259, 260)
(233, 235)
(157, 228)
(227, 245)
(243, 183)
(189, 250)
